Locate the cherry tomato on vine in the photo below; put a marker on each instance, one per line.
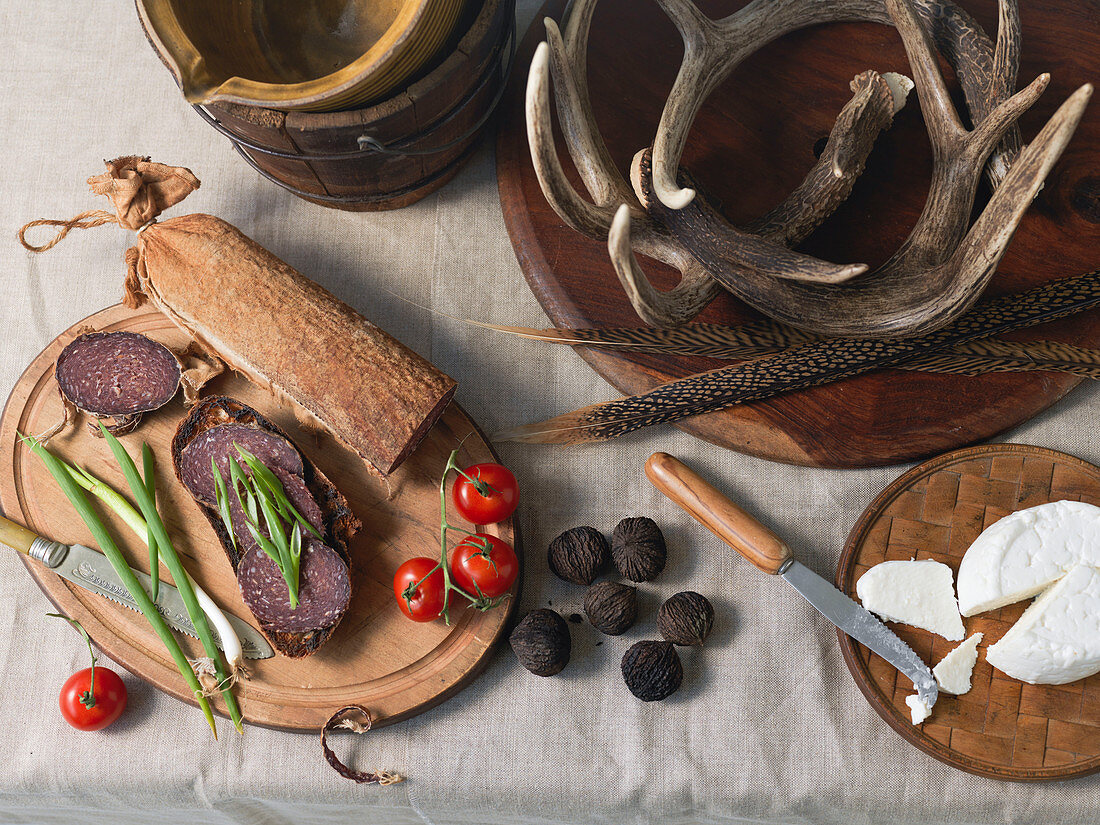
(423, 603)
(485, 561)
(107, 699)
(490, 497)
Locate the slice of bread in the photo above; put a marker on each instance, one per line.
(340, 524)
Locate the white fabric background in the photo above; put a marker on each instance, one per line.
(769, 727)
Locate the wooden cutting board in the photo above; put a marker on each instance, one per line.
(1002, 728)
(751, 144)
(376, 658)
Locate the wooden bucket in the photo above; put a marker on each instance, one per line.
(395, 152)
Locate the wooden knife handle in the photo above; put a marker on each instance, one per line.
(16, 535)
(717, 513)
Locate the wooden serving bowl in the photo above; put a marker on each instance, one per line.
(310, 55)
(433, 126)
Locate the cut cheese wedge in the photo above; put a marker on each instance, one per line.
(918, 593)
(954, 670)
(1022, 554)
(1057, 640)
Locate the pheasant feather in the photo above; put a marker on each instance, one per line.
(807, 365)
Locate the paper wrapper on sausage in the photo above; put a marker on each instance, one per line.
(269, 322)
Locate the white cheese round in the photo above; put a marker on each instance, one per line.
(918, 593)
(1018, 556)
(1057, 640)
(954, 670)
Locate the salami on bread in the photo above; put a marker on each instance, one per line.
(210, 431)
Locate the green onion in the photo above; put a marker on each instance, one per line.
(231, 642)
(223, 502)
(175, 567)
(261, 494)
(151, 486)
(295, 557)
(271, 481)
(107, 544)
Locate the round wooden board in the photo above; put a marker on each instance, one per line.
(1002, 728)
(750, 145)
(377, 658)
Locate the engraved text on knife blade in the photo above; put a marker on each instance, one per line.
(88, 573)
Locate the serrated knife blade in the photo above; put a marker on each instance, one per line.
(767, 551)
(862, 626)
(90, 569)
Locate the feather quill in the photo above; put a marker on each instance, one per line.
(709, 340)
(807, 365)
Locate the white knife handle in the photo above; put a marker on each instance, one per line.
(717, 513)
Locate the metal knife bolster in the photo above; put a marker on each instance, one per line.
(50, 553)
(861, 625)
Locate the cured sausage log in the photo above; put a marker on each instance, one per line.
(210, 431)
(270, 323)
(117, 375)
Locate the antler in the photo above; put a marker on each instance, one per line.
(871, 110)
(934, 276)
(828, 184)
(696, 288)
(714, 48)
(937, 273)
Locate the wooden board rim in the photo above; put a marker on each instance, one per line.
(858, 668)
(69, 599)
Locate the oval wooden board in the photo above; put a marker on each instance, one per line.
(1002, 728)
(751, 144)
(377, 658)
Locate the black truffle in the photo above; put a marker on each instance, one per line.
(652, 670)
(611, 607)
(686, 618)
(541, 642)
(578, 555)
(638, 549)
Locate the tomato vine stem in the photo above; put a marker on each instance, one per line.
(481, 601)
(483, 487)
(88, 697)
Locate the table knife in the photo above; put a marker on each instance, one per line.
(91, 570)
(767, 551)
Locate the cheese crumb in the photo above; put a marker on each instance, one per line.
(954, 670)
(918, 708)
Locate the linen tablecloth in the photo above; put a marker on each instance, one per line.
(768, 727)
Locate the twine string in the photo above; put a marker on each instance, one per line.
(85, 220)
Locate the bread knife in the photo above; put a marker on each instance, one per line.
(767, 551)
(91, 570)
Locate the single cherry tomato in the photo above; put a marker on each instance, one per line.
(490, 497)
(92, 708)
(484, 563)
(423, 602)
